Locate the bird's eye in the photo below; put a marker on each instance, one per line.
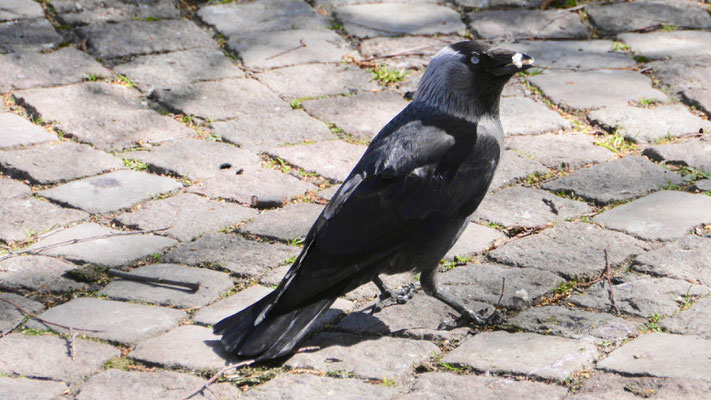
(474, 59)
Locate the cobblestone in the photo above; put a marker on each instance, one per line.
(475, 239)
(526, 24)
(314, 80)
(687, 77)
(658, 45)
(187, 346)
(334, 161)
(16, 131)
(88, 12)
(393, 19)
(288, 223)
(19, 9)
(37, 273)
(627, 17)
(305, 386)
(695, 153)
(694, 321)
(576, 55)
(574, 149)
(523, 116)
(10, 317)
(34, 34)
(25, 217)
(687, 259)
(30, 389)
(575, 324)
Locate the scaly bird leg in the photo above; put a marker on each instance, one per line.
(388, 297)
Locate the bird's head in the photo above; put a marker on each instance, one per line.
(465, 79)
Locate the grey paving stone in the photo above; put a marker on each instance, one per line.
(573, 150)
(368, 291)
(695, 153)
(27, 70)
(20, 9)
(570, 249)
(618, 180)
(499, 3)
(626, 17)
(117, 321)
(188, 216)
(547, 357)
(170, 70)
(215, 312)
(114, 384)
(261, 16)
(37, 273)
(111, 192)
(475, 239)
(413, 52)
(527, 207)
(612, 386)
(329, 5)
(362, 115)
(107, 116)
(482, 283)
(662, 44)
(35, 34)
(264, 183)
(69, 161)
(46, 356)
(22, 218)
(17, 131)
(648, 125)
(133, 38)
(290, 222)
(263, 50)
(262, 129)
(92, 11)
(523, 116)
(10, 316)
(513, 167)
(246, 258)
(194, 158)
(664, 215)
(189, 346)
(305, 386)
(12, 189)
(30, 389)
(333, 159)
(596, 89)
(393, 19)
(662, 355)
(703, 185)
(688, 259)
(110, 251)
(373, 358)
(315, 80)
(461, 387)
(690, 77)
(640, 296)
(575, 324)
(574, 54)
(694, 321)
(526, 24)
(212, 285)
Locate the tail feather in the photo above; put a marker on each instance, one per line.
(237, 326)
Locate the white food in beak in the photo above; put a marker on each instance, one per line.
(516, 59)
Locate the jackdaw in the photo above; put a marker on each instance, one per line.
(402, 207)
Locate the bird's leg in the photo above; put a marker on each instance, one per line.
(428, 280)
(388, 297)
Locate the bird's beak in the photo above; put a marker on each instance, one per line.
(511, 62)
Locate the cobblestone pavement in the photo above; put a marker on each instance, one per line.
(197, 141)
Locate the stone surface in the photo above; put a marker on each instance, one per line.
(575, 324)
(663, 44)
(613, 386)
(106, 250)
(688, 259)
(107, 116)
(482, 283)
(547, 357)
(689, 78)
(626, 17)
(187, 215)
(398, 51)
(648, 125)
(175, 69)
(20, 9)
(527, 207)
(573, 150)
(513, 167)
(614, 181)
(212, 285)
(111, 192)
(368, 291)
(663, 215)
(22, 218)
(362, 115)
(246, 258)
(17, 131)
(194, 158)
(596, 89)
(694, 321)
(188, 346)
(69, 161)
(12, 189)
(313, 80)
(10, 316)
(331, 159)
(30, 389)
(373, 358)
(46, 356)
(570, 249)
(475, 239)
(117, 321)
(132, 38)
(703, 185)
(64, 66)
(393, 19)
(305, 386)
(526, 24)
(695, 153)
(35, 34)
(215, 312)
(288, 223)
(93, 11)
(523, 116)
(115, 384)
(662, 355)
(37, 273)
(640, 296)
(574, 54)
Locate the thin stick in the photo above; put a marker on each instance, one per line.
(33, 315)
(301, 44)
(503, 285)
(72, 335)
(194, 286)
(609, 280)
(216, 376)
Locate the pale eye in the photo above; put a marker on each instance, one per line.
(474, 60)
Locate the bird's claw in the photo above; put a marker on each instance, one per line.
(400, 296)
(471, 317)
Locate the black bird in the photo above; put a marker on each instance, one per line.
(402, 207)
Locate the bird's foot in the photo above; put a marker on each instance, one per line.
(389, 298)
(471, 317)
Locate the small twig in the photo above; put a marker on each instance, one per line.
(33, 315)
(609, 280)
(194, 286)
(72, 335)
(307, 349)
(415, 51)
(217, 375)
(503, 286)
(301, 44)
